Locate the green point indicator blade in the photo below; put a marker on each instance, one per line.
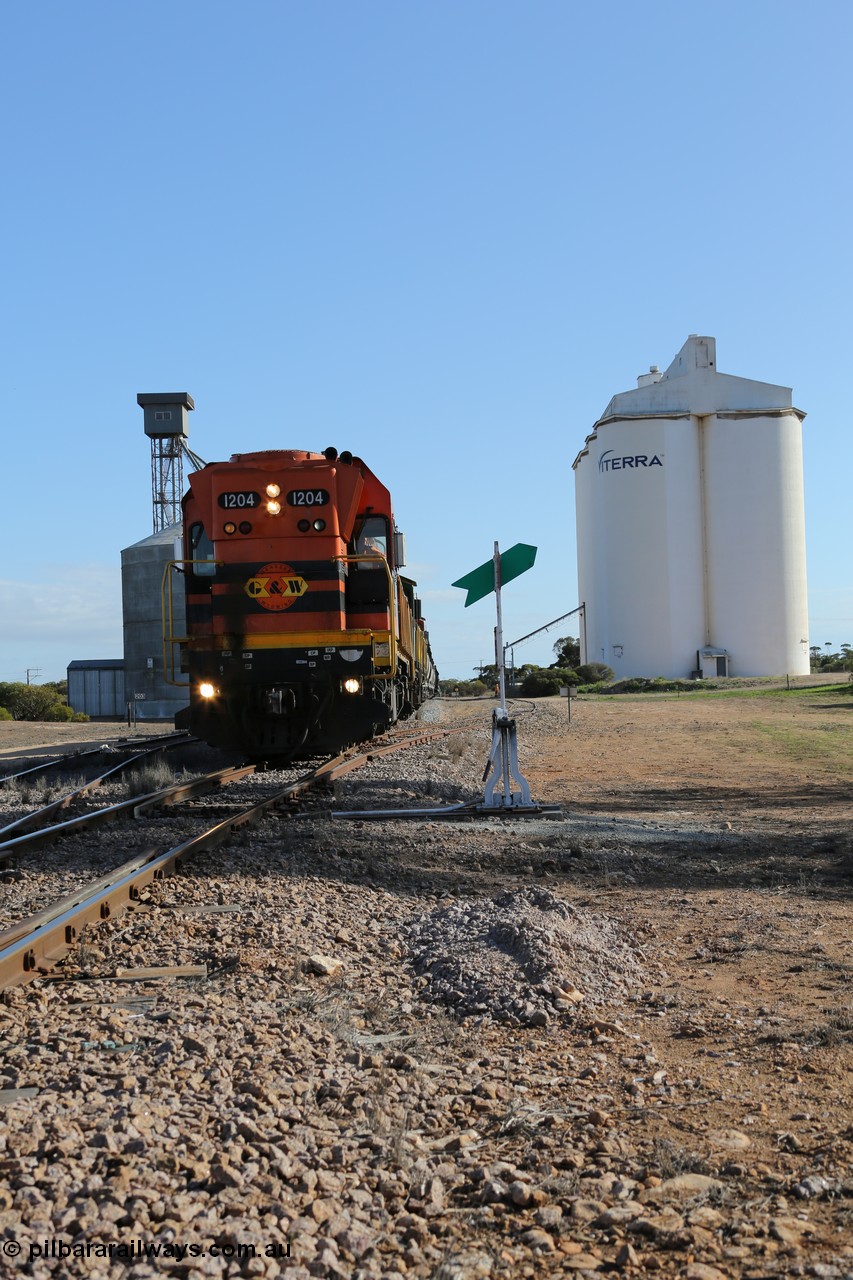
(480, 582)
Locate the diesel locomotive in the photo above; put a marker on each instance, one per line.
(302, 633)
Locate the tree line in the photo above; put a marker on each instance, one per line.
(824, 659)
(567, 670)
(534, 681)
(37, 702)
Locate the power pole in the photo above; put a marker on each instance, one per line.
(33, 671)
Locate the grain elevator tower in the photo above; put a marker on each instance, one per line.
(166, 427)
(148, 685)
(691, 526)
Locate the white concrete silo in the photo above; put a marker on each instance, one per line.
(691, 526)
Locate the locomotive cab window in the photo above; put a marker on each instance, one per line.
(201, 549)
(372, 540)
(368, 588)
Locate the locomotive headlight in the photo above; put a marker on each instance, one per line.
(206, 690)
(273, 507)
(352, 685)
(273, 490)
(319, 525)
(230, 526)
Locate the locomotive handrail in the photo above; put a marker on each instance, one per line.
(167, 618)
(376, 558)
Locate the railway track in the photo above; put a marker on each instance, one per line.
(34, 945)
(27, 833)
(161, 742)
(39, 817)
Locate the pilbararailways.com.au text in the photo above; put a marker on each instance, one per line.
(136, 1250)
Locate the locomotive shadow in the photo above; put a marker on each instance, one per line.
(681, 798)
(476, 857)
(643, 855)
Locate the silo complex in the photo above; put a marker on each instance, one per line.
(691, 526)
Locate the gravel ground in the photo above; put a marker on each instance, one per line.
(447, 1049)
(521, 956)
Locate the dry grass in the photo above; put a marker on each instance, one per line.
(837, 1029)
(669, 1159)
(154, 776)
(36, 791)
(456, 747)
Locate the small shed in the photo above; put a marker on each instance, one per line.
(96, 687)
(712, 662)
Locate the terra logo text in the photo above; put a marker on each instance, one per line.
(607, 462)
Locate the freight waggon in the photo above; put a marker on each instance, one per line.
(302, 633)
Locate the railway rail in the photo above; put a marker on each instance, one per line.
(160, 742)
(134, 807)
(34, 946)
(31, 821)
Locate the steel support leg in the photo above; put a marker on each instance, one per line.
(504, 749)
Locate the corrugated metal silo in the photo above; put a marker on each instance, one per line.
(142, 567)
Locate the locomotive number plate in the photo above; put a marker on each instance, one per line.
(237, 501)
(307, 497)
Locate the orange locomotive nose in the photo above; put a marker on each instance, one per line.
(297, 613)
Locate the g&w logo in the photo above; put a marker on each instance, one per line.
(276, 586)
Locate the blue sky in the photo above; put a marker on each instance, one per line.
(440, 235)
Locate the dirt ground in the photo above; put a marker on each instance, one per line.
(18, 737)
(698, 1126)
(749, 909)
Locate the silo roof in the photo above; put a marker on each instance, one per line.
(96, 664)
(162, 538)
(692, 384)
(165, 397)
